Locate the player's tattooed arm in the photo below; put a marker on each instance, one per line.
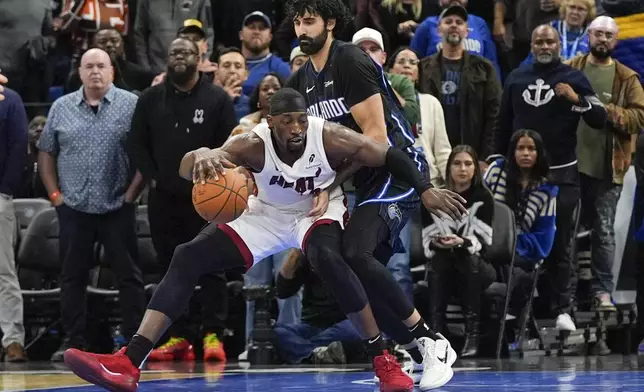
(242, 150)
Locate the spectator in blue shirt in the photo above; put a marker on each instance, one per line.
(428, 41)
(89, 180)
(256, 37)
(231, 74)
(576, 15)
(13, 156)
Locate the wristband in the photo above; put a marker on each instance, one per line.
(54, 195)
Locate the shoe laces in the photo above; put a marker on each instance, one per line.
(387, 364)
(171, 342)
(211, 340)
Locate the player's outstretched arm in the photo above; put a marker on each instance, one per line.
(241, 150)
(341, 143)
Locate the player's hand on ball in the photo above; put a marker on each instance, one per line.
(210, 163)
(444, 201)
(320, 205)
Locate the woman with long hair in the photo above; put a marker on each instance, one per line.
(258, 102)
(520, 180)
(455, 247)
(400, 18)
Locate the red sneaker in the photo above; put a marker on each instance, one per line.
(392, 377)
(176, 349)
(113, 372)
(213, 348)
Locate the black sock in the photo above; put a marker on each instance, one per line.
(138, 349)
(421, 330)
(375, 346)
(412, 349)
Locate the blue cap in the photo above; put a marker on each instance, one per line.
(257, 15)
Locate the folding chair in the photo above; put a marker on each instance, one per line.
(38, 270)
(501, 252)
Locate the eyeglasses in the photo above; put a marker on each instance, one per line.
(183, 53)
(403, 61)
(599, 34)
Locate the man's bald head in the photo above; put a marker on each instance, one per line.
(96, 70)
(546, 44)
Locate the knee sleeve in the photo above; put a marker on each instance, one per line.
(211, 251)
(323, 252)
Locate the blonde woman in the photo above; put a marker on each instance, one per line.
(400, 18)
(575, 15)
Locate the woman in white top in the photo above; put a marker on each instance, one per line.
(431, 136)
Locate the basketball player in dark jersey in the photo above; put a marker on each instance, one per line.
(342, 84)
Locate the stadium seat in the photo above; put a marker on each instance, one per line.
(501, 255)
(26, 210)
(38, 271)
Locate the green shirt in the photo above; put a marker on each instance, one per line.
(594, 150)
(407, 91)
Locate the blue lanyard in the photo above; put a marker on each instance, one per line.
(564, 43)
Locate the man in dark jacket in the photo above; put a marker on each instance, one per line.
(550, 98)
(127, 75)
(182, 114)
(466, 84)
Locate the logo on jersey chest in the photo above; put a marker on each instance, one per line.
(329, 109)
(313, 163)
(301, 185)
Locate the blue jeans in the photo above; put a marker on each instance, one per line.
(399, 264)
(296, 342)
(264, 273)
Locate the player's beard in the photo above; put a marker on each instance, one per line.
(311, 46)
(182, 77)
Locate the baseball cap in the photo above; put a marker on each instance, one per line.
(296, 52)
(454, 10)
(192, 25)
(257, 15)
(368, 34)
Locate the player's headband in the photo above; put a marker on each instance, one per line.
(286, 100)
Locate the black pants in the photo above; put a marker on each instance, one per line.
(468, 274)
(116, 232)
(174, 221)
(559, 263)
(368, 244)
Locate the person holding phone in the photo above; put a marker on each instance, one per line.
(454, 247)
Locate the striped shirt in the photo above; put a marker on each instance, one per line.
(535, 217)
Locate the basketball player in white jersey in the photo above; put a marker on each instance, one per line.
(292, 156)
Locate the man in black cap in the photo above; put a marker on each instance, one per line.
(255, 37)
(192, 29)
(469, 118)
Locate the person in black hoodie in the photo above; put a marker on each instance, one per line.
(550, 97)
(182, 114)
(127, 75)
(455, 247)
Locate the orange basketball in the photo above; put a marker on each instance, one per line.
(222, 200)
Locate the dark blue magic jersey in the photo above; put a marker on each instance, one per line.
(349, 77)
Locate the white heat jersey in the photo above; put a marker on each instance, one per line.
(279, 184)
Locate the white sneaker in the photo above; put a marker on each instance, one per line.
(565, 323)
(243, 357)
(438, 358)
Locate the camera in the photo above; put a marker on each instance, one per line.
(261, 349)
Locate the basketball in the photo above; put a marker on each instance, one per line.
(222, 200)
